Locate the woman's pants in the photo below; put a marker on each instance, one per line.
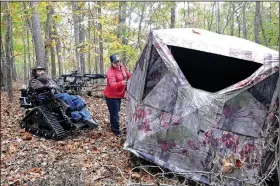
(114, 105)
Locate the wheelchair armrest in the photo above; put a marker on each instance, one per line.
(25, 102)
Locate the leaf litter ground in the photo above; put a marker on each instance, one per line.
(83, 158)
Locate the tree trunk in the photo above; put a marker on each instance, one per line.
(14, 69)
(76, 33)
(57, 46)
(239, 25)
(95, 40)
(101, 64)
(263, 31)
(121, 30)
(119, 20)
(257, 22)
(25, 78)
(33, 53)
(64, 67)
(124, 38)
(172, 20)
(232, 23)
(89, 39)
(37, 35)
(189, 11)
(210, 22)
(204, 16)
(58, 51)
(29, 53)
(217, 17)
(82, 42)
(140, 26)
(3, 67)
(8, 36)
(53, 63)
(48, 42)
(184, 16)
(27, 21)
(244, 27)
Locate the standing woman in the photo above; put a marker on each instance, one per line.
(117, 76)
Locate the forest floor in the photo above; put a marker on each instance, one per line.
(94, 157)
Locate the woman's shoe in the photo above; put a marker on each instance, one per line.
(117, 133)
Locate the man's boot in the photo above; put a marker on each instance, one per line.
(91, 123)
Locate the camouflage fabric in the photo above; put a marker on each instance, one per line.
(183, 128)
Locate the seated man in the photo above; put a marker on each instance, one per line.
(79, 112)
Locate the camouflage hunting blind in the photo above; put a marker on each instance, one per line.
(201, 101)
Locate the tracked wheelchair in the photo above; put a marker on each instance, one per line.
(46, 115)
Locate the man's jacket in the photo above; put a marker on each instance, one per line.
(41, 82)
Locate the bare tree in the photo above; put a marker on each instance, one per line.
(25, 77)
(263, 30)
(76, 31)
(184, 17)
(29, 52)
(172, 19)
(82, 39)
(244, 27)
(51, 36)
(232, 23)
(8, 36)
(48, 42)
(121, 27)
(239, 25)
(210, 22)
(58, 45)
(119, 20)
(217, 18)
(140, 24)
(95, 40)
(101, 64)
(14, 69)
(89, 38)
(3, 67)
(37, 35)
(257, 22)
(28, 22)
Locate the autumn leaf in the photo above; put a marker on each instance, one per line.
(95, 150)
(69, 147)
(13, 148)
(27, 136)
(35, 170)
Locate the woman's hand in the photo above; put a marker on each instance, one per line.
(124, 82)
